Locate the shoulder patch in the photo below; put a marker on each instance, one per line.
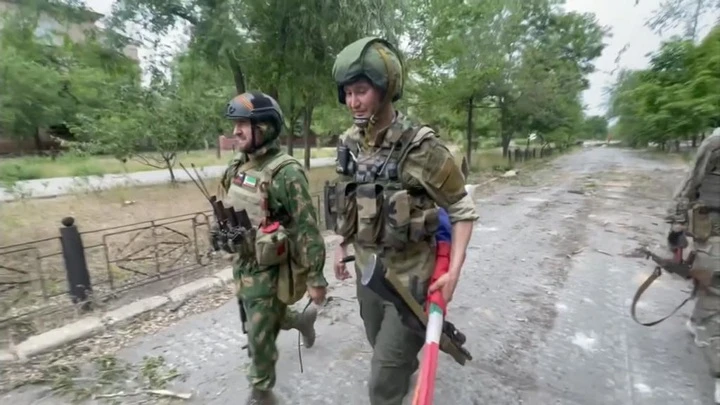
(443, 173)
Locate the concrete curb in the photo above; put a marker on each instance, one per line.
(92, 325)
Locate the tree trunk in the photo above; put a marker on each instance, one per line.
(505, 131)
(38, 141)
(291, 127)
(307, 121)
(169, 158)
(238, 74)
(469, 135)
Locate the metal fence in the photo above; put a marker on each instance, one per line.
(71, 271)
(522, 155)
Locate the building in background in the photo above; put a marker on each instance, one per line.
(53, 29)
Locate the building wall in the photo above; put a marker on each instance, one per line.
(51, 29)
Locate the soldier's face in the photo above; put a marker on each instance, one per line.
(362, 99)
(243, 133)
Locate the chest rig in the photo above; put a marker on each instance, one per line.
(248, 188)
(706, 210)
(373, 203)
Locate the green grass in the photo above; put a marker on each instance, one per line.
(37, 167)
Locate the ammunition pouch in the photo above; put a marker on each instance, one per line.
(396, 210)
(346, 209)
(701, 222)
(369, 198)
(424, 224)
(272, 247)
(381, 216)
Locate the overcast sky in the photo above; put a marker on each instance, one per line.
(626, 20)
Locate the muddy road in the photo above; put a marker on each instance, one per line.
(543, 299)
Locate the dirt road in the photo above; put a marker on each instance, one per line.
(544, 300)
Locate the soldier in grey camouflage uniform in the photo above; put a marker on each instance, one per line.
(696, 212)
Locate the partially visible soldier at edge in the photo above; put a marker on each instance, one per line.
(696, 208)
(267, 281)
(417, 174)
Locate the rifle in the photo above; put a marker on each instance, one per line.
(232, 227)
(385, 284)
(677, 265)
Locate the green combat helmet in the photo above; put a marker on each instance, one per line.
(374, 59)
(259, 108)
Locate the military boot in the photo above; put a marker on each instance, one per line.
(260, 397)
(305, 324)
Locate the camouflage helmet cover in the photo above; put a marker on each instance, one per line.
(377, 60)
(258, 108)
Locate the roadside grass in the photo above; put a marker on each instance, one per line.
(70, 165)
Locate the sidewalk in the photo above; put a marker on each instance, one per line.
(96, 323)
(57, 186)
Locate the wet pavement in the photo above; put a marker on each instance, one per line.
(543, 299)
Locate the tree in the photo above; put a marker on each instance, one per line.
(595, 127)
(676, 98)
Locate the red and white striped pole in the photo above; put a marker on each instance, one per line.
(436, 310)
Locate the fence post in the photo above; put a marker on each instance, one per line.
(78, 275)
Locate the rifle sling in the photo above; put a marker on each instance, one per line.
(644, 286)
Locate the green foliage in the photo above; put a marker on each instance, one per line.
(480, 72)
(676, 98)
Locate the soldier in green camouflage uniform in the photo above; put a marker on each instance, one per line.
(696, 205)
(394, 174)
(285, 254)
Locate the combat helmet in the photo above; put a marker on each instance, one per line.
(259, 108)
(374, 59)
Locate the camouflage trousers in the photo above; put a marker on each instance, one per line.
(395, 349)
(706, 314)
(266, 317)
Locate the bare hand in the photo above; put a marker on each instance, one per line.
(317, 294)
(341, 272)
(446, 284)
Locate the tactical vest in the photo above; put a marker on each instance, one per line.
(271, 248)
(373, 205)
(705, 221)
